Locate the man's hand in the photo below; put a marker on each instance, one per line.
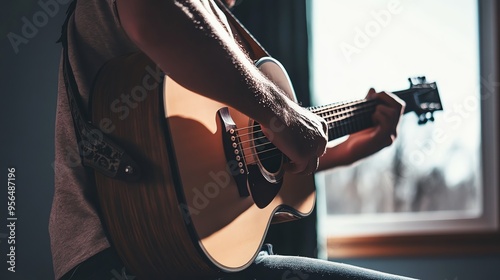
(369, 141)
(301, 136)
(386, 117)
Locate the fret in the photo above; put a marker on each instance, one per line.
(346, 118)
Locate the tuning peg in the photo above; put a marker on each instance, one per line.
(417, 80)
(411, 82)
(422, 119)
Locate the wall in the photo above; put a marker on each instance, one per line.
(28, 71)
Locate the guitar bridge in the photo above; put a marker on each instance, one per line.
(261, 179)
(235, 159)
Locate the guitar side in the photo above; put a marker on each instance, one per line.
(185, 216)
(142, 218)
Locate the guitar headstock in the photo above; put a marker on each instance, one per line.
(422, 98)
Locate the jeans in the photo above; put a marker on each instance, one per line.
(106, 265)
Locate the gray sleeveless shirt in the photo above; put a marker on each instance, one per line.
(76, 233)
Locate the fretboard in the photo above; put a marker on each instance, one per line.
(346, 118)
(350, 117)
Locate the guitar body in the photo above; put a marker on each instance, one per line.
(209, 189)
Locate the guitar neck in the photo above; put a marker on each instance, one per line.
(349, 117)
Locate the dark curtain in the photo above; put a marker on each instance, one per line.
(281, 27)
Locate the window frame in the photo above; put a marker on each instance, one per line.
(447, 242)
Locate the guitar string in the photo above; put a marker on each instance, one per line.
(254, 155)
(338, 109)
(347, 105)
(274, 148)
(255, 160)
(257, 146)
(338, 119)
(253, 139)
(339, 104)
(337, 116)
(342, 118)
(332, 108)
(347, 113)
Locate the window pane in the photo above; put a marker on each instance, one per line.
(432, 171)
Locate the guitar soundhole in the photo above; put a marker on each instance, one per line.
(270, 159)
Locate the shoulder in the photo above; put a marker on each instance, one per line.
(97, 27)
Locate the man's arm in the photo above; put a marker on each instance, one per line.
(188, 42)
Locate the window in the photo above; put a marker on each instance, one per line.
(439, 178)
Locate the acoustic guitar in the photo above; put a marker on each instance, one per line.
(211, 183)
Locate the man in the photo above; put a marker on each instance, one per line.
(178, 35)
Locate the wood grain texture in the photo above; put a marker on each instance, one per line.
(143, 218)
(184, 218)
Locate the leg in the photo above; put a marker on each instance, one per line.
(269, 266)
